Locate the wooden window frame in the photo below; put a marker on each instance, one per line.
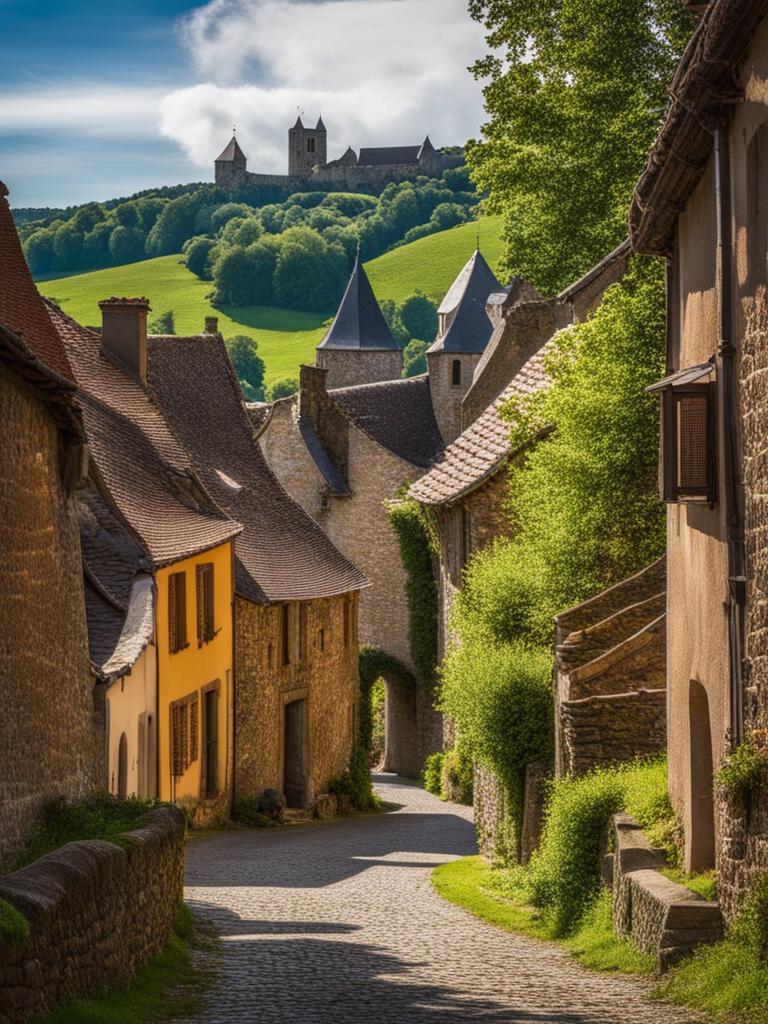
(177, 612)
(672, 492)
(184, 749)
(215, 688)
(204, 593)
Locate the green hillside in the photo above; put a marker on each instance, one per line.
(286, 338)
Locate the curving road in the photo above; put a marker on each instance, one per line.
(337, 923)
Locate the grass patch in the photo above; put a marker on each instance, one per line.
(101, 817)
(727, 980)
(167, 987)
(472, 884)
(705, 883)
(14, 927)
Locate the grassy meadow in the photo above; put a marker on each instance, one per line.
(286, 337)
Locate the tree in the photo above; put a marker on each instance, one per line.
(248, 365)
(38, 250)
(573, 95)
(126, 245)
(418, 315)
(224, 213)
(67, 247)
(174, 225)
(310, 274)
(392, 316)
(262, 257)
(162, 323)
(233, 277)
(415, 358)
(283, 388)
(197, 252)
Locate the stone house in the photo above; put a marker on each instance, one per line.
(702, 205)
(142, 478)
(295, 594)
(44, 653)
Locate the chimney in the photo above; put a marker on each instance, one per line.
(211, 325)
(124, 334)
(312, 391)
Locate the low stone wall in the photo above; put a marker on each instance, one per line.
(490, 805)
(658, 915)
(610, 728)
(96, 913)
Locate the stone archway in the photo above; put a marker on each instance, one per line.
(402, 753)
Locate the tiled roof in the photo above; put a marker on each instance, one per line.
(470, 327)
(231, 152)
(282, 554)
(397, 414)
(139, 460)
(384, 156)
(22, 308)
(483, 447)
(359, 323)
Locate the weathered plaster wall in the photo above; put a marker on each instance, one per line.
(51, 737)
(130, 700)
(96, 913)
(321, 668)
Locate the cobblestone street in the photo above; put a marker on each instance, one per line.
(337, 923)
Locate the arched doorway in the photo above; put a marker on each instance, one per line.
(700, 840)
(295, 753)
(397, 741)
(122, 767)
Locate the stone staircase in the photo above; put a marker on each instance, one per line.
(610, 674)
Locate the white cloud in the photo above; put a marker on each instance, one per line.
(88, 109)
(379, 71)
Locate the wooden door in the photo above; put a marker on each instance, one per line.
(295, 771)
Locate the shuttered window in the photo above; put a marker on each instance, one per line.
(185, 734)
(688, 434)
(177, 611)
(204, 589)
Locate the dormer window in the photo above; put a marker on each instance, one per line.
(456, 373)
(688, 434)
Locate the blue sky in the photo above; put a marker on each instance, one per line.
(102, 99)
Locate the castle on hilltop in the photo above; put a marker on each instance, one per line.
(308, 162)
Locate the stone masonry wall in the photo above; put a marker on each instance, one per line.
(605, 730)
(96, 913)
(322, 669)
(347, 368)
(491, 811)
(50, 735)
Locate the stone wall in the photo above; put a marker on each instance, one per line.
(491, 811)
(608, 729)
(348, 367)
(51, 730)
(323, 669)
(96, 913)
(447, 397)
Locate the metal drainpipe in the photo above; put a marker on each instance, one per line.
(728, 403)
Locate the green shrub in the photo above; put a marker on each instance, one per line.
(378, 718)
(743, 771)
(432, 773)
(456, 775)
(500, 698)
(246, 810)
(14, 927)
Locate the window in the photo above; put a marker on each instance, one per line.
(210, 776)
(688, 422)
(310, 145)
(177, 611)
(456, 373)
(285, 633)
(205, 630)
(184, 734)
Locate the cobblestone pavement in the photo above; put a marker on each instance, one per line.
(337, 923)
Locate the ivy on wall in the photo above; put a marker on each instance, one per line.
(414, 538)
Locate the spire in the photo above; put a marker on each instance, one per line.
(469, 328)
(298, 123)
(359, 323)
(320, 127)
(232, 152)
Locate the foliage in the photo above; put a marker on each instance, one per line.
(418, 316)
(197, 253)
(731, 976)
(456, 777)
(415, 358)
(469, 883)
(499, 696)
(14, 927)
(703, 883)
(743, 771)
(309, 273)
(573, 92)
(378, 716)
(283, 388)
(246, 810)
(563, 876)
(98, 817)
(432, 773)
(162, 323)
(170, 987)
(407, 520)
(248, 365)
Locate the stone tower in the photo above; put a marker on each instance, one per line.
(307, 148)
(230, 164)
(359, 347)
(463, 333)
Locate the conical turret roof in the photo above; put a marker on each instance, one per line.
(320, 127)
(299, 123)
(470, 328)
(232, 152)
(359, 323)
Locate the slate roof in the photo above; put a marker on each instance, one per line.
(359, 323)
(282, 554)
(22, 309)
(139, 461)
(231, 152)
(118, 589)
(483, 447)
(470, 328)
(396, 414)
(385, 156)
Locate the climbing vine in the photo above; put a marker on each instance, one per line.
(414, 536)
